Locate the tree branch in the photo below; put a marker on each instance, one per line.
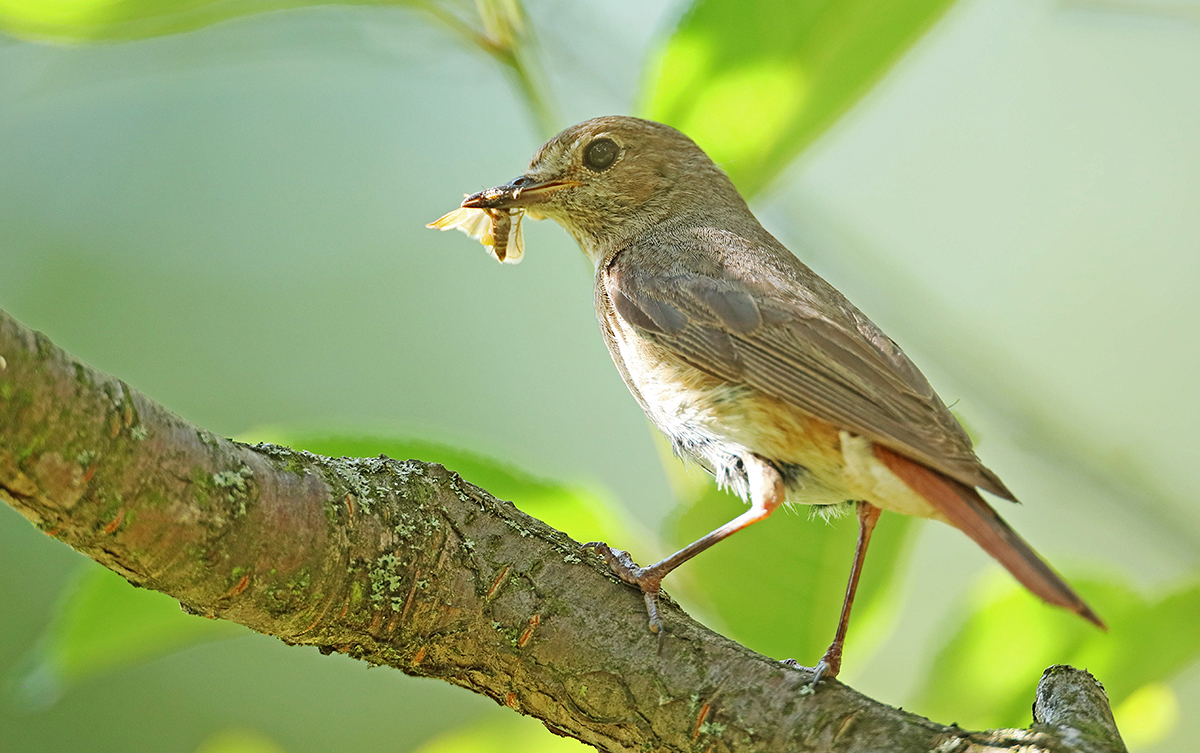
(1074, 703)
(404, 564)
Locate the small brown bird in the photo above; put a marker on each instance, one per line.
(752, 365)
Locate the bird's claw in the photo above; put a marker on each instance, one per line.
(819, 672)
(825, 669)
(629, 571)
(626, 569)
(829, 666)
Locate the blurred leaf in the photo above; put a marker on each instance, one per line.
(92, 20)
(503, 734)
(239, 741)
(985, 676)
(1147, 716)
(756, 82)
(583, 514)
(105, 623)
(503, 21)
(778, 585)
(497, 27)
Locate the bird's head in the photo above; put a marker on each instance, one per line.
(609, 179)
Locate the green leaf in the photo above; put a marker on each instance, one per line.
(582, 513)
(503, 734)
(93, 20)
(1148, 715)
(105, 623)
(239, 741)
(754, 82)
(777, 586)
(986, 674)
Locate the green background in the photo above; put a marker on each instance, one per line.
(232, 220)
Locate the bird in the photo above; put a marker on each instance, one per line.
(752, 365)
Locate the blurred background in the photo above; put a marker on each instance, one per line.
(225, 207)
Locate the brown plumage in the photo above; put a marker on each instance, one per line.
(751, 364)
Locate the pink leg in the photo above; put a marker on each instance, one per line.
(831, 663)
(766, 494)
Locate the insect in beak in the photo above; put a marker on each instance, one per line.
(518, 193)
(499, 230)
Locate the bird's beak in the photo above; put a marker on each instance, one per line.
(519, 193)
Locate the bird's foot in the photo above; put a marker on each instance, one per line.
(817, 672)
(829, 666)
(645, 578)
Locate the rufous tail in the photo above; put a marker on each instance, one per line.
(966, 510)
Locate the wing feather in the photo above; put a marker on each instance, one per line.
(803, 344)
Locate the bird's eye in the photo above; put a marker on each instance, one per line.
(600, 154)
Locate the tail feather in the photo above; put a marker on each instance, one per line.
(966, 510)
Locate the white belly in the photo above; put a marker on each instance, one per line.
(719, 424)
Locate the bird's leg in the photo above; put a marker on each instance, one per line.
(767, 492)
(831, 662)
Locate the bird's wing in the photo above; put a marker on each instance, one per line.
(793, 337)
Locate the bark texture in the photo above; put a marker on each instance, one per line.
(400, 562)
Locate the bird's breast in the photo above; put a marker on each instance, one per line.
(716, 421)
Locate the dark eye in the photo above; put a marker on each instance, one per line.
(599, 154)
